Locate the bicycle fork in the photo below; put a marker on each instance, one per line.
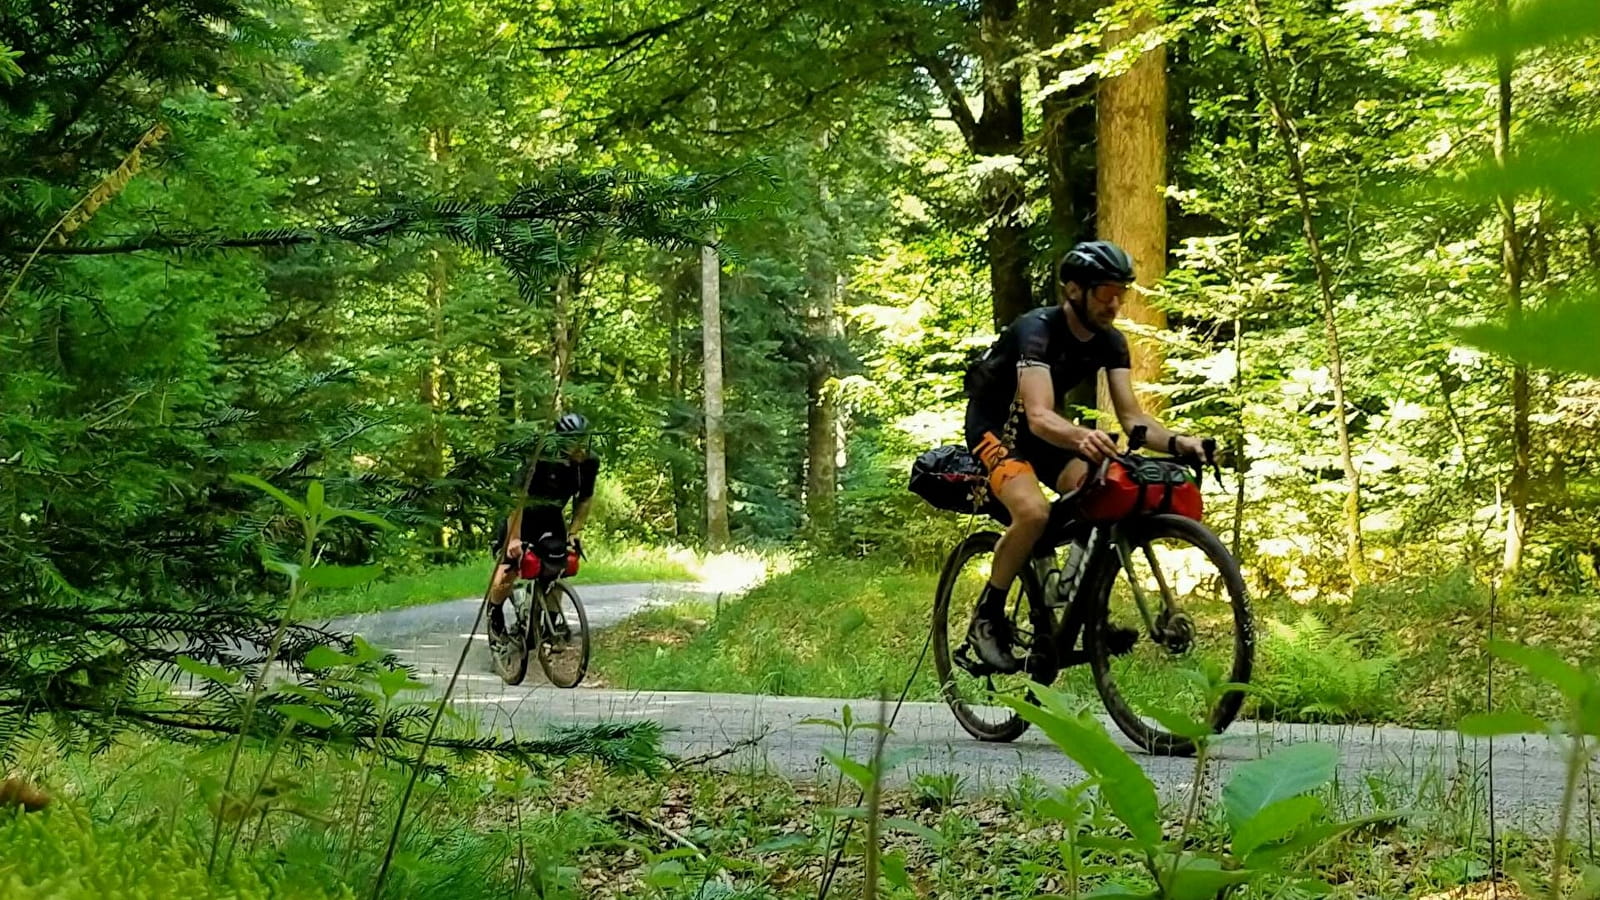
(1156, 625)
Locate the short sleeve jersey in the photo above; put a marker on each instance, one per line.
(557, 481)
(1040, 337)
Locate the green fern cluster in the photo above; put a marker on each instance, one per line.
(1311, 673)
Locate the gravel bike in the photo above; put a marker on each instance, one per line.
(1155, 605)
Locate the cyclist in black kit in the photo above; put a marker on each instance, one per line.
(570, 477)
(1015, 426)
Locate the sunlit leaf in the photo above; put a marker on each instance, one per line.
(1536, 23)
(340, 576)
(1570, 680)
(1562, 336)
(276, 494)
(207, 671)
(1289, 772)
(305, 715)
(1274, 823)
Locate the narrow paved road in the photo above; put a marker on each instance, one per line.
(1392, 767)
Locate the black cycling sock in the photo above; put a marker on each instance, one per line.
(992, 605)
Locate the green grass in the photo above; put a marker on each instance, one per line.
(830, 629)
(1408, 652)
(134, 824)
(607, 564)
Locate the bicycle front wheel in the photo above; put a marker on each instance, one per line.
(564, 641)
(1176, 632)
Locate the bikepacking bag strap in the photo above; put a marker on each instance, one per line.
(1130, 485)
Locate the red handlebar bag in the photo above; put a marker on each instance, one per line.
(1134, 485)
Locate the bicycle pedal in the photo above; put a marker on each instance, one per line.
(964, 660)
(1119, 641)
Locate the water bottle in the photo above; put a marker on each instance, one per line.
(1071, 573)
(1052, 583)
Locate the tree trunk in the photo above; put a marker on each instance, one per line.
(675, 287)
(999, 133)
(562, 341)
(822, 418)
(1067, 131)
(430, 387)
(1131, 156)
(717, 534)
(1511, 265)
(996, 132)
(1288, 135)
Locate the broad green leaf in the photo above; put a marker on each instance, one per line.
(855, 771)
(1570, 680)
(784, 842)
(1125, 787)
(1495, 723)
(1538, 23)
(305, 715)
(1111, 844)
(894, 869)
(337, 577)
(917, 828)
(1200, 878)
(365, 651)
(360, 516)
(288, 502)
(393, 681)
(1294, 770)
(830, 723)
(1180, 724)
(1560, 337)
(1311, 838)
(1588, 712)
(314, 499)
(289, 569)
(325, 657)
(207, 671)
(1120, 892)
(1275, 823)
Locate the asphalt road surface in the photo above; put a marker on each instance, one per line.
(1382, 766)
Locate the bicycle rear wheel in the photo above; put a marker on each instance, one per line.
(962, 682)
(1194, 633)
(564, 642)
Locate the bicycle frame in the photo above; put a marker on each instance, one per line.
(1107, 546)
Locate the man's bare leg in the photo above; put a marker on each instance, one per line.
(990, 633)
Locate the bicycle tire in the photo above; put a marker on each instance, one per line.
(581, 645)
(1015, 725)
(508, 653)
(1156, 741)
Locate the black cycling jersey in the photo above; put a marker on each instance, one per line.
(1041, 337)
(559, 480)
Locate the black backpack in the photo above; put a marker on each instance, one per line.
(950, 478)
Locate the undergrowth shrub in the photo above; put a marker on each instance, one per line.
(1312, 673)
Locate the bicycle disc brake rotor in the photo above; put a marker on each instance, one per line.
(1176, 631)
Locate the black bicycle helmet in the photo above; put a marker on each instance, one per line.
(1096, 262)
(572, 423)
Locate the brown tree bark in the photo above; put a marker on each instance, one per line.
(1131, 172)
